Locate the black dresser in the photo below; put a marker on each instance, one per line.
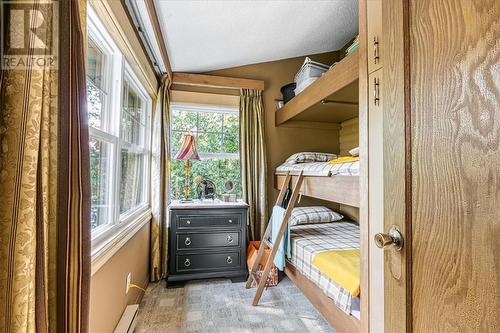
(207, 240)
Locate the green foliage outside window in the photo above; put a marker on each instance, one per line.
(217, 142)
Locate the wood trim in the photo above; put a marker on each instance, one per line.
(394, 100)
(338, 77)
(338, 319)
(212, 81)
(341, 189)
(181, 96)
(408, 166)
(364, 232)
(160, 39)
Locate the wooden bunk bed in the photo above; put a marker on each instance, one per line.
(339, 85)
(338, 188)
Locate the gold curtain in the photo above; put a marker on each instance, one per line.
(253, 160)
(160, 164)
(45, 205)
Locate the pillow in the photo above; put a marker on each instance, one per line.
(354, 151)
(305, 157)
(314, 214)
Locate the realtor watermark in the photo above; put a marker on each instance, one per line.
(29, 32)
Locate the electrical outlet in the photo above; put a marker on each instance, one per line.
(129, 280)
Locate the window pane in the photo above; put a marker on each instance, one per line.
(209, 142)
(231, 143)
(184, 121)
(95, 84)
(210, 122)
(231, 124)
(100, 155)
(217, 170)
(133, 116)
(176, 142)
(131, 180)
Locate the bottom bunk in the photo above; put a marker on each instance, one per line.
(337, 318)
(335, 303)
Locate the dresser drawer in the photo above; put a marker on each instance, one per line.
(208, 261)
(208, 240)
(208, 220)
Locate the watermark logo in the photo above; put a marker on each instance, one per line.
(29, 34)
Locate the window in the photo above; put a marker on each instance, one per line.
(134, 149)
(119, 126)
(216, 130)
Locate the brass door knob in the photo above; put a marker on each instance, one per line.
(393, 237)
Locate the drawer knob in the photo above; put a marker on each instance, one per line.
(229, 260)
(229, 239)
(187, 262)
(188, 222)
(230, 221)
(187, 241)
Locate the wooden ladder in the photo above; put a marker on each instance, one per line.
(266, 243)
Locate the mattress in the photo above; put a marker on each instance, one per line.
(309, 239)
(321, 168)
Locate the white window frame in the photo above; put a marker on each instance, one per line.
(188, 107)
(106, 238)
(130, 215)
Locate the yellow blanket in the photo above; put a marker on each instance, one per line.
(341, 266)
(344, 159)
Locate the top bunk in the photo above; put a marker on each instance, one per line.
(332, 98)
(336, 182)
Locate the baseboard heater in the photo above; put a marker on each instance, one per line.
(128, 321)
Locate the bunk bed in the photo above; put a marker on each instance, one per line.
(339, 183)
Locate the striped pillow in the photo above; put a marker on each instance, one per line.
(305, 157)
(314, 214)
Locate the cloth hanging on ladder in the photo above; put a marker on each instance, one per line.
(284, 249)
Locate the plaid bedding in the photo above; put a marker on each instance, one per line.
(305, 157)
(309, 239)
(321, 168)
(313, 214)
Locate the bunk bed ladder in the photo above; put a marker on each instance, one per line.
(267, 235)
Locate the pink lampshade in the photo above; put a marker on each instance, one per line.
(188, 149)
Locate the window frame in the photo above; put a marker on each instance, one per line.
(118, 70)
(127, 216)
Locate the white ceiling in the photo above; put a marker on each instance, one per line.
(202, 36)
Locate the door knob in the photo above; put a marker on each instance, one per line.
(393, 237)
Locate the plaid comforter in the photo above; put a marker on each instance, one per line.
(309, 239)
(322, 168)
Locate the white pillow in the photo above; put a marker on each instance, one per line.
(304, 157)
(314, 214)
(354, 151)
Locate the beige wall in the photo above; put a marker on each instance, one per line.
(285, 140)
(108, 297)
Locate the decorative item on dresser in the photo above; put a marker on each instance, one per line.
(186, 153)
(207, 240)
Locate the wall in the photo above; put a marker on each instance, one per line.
(349, 135)
(285, 140)
(108, 285)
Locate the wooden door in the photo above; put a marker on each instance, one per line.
(455, 158)
(441, 107)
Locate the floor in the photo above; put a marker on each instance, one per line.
(220, 306)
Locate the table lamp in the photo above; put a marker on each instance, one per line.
(186, 153)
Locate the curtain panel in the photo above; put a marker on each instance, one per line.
(160, 173)
(45, 204)
(253, 160)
